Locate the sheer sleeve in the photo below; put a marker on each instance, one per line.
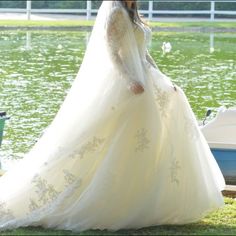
(115, 32)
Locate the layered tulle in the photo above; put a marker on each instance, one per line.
(112, 159)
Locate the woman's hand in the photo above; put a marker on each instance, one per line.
(136, 87)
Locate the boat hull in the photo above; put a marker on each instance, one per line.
(226, 159)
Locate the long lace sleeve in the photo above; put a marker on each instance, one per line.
(116, 30)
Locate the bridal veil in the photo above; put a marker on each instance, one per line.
(112, 159)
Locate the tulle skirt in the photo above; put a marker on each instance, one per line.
(114, 160)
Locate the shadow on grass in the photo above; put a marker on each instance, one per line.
(191, 229)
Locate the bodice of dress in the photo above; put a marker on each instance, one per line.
(142, 35)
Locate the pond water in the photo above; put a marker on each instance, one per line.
(37, 69)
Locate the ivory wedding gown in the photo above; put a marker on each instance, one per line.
(112, 159)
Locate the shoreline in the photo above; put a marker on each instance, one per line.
(154, 29)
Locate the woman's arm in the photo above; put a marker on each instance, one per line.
(116, 29)
(114, 33)
(151, 60)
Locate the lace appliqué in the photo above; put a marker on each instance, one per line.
(71, 179)
(162, 99)
(91, 146)
(37, 210)
(142, 142)
(116, 27)
(191, 128)
(5, 213)
(33, 205)
(174, 169)
(46, 193)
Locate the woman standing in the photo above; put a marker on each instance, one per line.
(124, 150)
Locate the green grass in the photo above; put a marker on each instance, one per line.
(221, 222)
(194, 24)
(63, 23)
(70, 23)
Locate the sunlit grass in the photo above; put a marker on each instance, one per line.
(221, 222)
(195, 24)
(63, 23)
(70, 23)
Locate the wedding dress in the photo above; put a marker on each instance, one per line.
(112, 159)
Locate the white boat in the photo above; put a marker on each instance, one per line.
(220, 134)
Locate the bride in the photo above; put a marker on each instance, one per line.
(124, 150)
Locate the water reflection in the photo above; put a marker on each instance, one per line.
(87, 37)
(28, 40)
(212, 39)
(88, 34)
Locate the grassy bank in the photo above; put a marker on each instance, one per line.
(64, 23)
(221, 222)
(71, 23)
(195, 24)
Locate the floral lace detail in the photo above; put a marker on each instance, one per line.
(174, 169)
(162, 99)
(116, 27)
(33, 205)
(45, 193)
(142, 142)
(37, 211)
(116, 32)
(5, 213)
(91, 146)
(190, 128)
(69, 177)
